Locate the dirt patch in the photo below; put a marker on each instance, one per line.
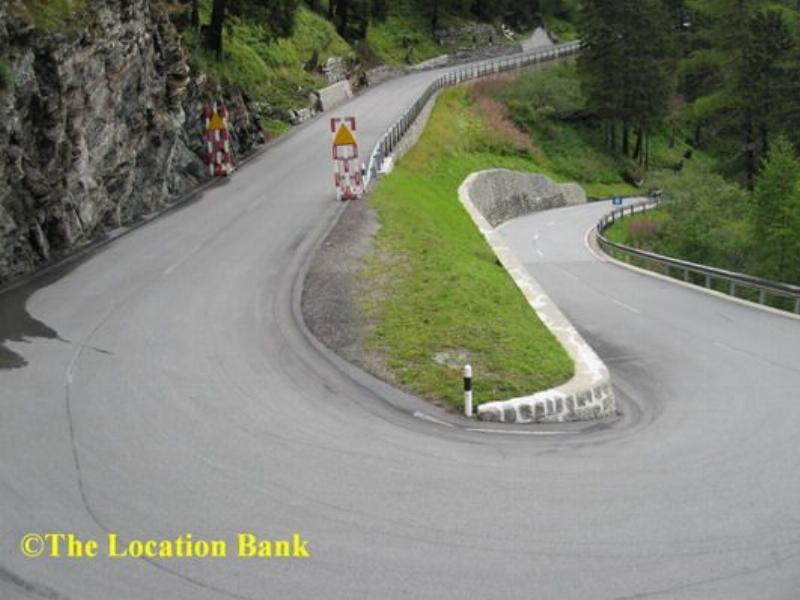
(495, 115)
(330, 304)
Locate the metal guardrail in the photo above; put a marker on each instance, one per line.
(389, 141)
(690, 272)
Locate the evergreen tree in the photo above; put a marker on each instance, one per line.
(776, 213)
(745, 64)
(351, 17)
(277, 15)
(627, 68)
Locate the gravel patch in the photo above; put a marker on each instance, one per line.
(330, 293)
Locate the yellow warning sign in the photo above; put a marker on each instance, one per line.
(344, 137)
(216, 122)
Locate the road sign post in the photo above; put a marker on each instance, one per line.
(348, 175)
(217, 138)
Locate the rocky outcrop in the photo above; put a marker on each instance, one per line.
(99, 127)
(475, 41)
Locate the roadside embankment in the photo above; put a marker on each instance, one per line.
(492, 198)
(427, 294)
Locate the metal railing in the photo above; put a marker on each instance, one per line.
(389, 141)
(728, 282)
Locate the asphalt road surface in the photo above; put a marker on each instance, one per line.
(165, 385)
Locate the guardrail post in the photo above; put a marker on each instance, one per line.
(708, 281)
(797, 306)
(733, 289)
(762, 297)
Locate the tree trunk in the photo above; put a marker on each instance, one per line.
(613, 136)
(195, 18)
(749, 153)
(626, 139)
(213, 39)
(637, 151)
(698, 132)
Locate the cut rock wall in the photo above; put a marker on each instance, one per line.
(99, 127)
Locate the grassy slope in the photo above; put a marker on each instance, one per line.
(271, 70)
(433, 285)
(538, 103)
(390, 40)
(50, 15)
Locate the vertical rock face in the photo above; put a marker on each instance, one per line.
(99, 127)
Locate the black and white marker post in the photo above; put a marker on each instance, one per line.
(468, 390)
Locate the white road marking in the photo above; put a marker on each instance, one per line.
(591, 250)
(517, 432)
(625, 306)
(424, 417)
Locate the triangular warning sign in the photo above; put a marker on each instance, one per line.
(216, 122)
(344, 137)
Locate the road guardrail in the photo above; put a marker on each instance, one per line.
(389, 141)
(693, 273)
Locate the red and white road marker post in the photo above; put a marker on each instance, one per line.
(348, 174)
(218, 140)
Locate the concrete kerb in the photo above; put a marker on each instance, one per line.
(589, 394)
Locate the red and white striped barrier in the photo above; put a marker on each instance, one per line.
(348, 175)
(217, 138)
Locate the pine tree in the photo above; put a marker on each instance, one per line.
(627, 68)
(277, 15)
(776, 213)
(744, 67)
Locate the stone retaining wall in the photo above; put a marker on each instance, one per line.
(502, 195)
(335, 95)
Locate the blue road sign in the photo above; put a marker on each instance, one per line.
(617, 200)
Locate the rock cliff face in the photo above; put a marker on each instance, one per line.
(98, 127)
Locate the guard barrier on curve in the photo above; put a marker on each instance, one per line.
(388, 142)
(700, 275)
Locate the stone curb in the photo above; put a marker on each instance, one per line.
(589, 394)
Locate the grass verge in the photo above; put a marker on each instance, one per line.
(271, 70)
(433, 289)
(51, 15)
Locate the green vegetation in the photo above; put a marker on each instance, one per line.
(716, 79)
(270, 68)
(627, 71)
(549, 106)
(403, 38)
(50, 15)
(712, 221)
(433, 288)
